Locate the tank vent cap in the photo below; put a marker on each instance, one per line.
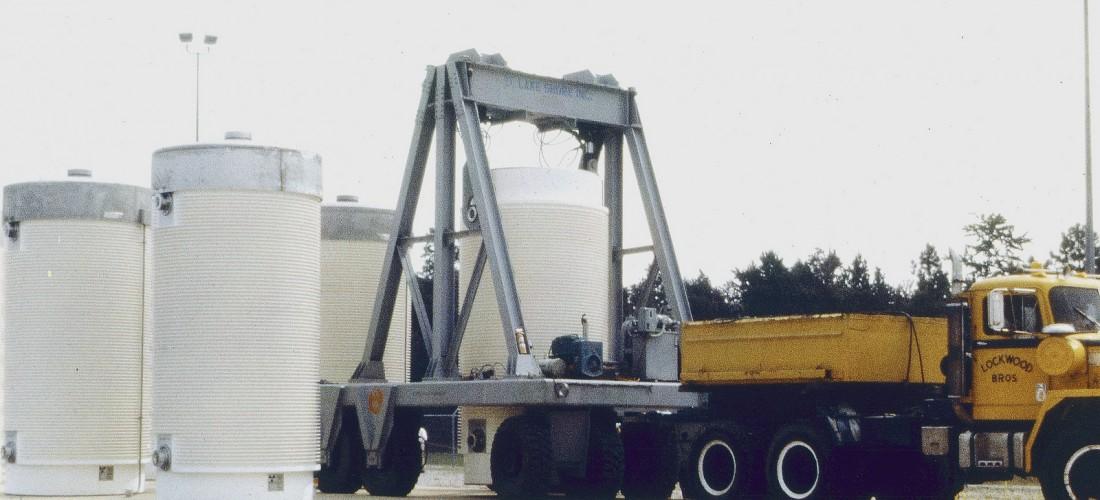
(347, 198)
(79, 172)
(238, 135)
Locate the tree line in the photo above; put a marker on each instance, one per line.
(823, 283)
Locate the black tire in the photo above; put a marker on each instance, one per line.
(800, 464)
(650, 461)
(717, 467)
(1071, 463)
(342, 472)
(604, 470)
(521, 463)
(401, 462)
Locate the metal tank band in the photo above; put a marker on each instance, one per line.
(76, 200)
(254, 168)
(353, 222)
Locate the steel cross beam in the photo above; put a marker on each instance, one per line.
(467, 91)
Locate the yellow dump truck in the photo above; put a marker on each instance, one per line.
(855, 405)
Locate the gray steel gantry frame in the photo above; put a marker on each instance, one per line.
(470, 89)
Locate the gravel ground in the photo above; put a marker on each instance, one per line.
(445, 481)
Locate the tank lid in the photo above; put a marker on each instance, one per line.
(352, 222)
(238, 135)
(79, 172)
(76, 200)
(566, 186)
(236, 166)
(347, 198)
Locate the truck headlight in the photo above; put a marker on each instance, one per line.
(1058, 356)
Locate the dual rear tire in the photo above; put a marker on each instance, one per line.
(799, 464)
(724, 463)
(717, 467)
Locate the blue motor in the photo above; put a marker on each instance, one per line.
(581, 358)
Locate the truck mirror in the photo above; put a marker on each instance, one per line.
(995, 310)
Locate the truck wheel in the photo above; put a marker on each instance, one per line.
(799, 465)
(520, 462)
(604, 471)
(1071, 465)
(716, 467)
(341, 473)
(400, 461)
(650, 463)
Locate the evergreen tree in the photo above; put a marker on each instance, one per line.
(767, 289)
(708, 302)
(995, 247)
(1071, 252)
(857, 291)
(933, 285)
(819, 283)
(884, 298)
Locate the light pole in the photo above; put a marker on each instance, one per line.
(1090, 238)
(193, 47)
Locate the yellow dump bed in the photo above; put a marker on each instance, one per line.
(795, 349)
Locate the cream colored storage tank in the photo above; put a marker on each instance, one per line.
(556, 228)
(353, 244)
(76, 338)
(236, 235)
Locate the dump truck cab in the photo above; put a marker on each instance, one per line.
(1029, 383)
(1030, 335)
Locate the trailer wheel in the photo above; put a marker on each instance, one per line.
(799, 464)
(401, 464)
(651, 461)
(521, 463)
(604, 471)
(1071, 465)
(341, 473)
(716, 467)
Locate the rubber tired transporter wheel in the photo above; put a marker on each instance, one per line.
(603, 475)
(401, 463)
(799, 464)
(341, 473)
(1071, 465)
(650, 461)
(716, 467)
(520, 461)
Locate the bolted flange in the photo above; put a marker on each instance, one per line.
(163, 202)
(162, 458)
(7, 452)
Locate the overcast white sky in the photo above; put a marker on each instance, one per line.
(859, 126)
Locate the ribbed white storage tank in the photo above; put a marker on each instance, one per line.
(236, 235)
(76, 338)
(353, 244)
(556, 228)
